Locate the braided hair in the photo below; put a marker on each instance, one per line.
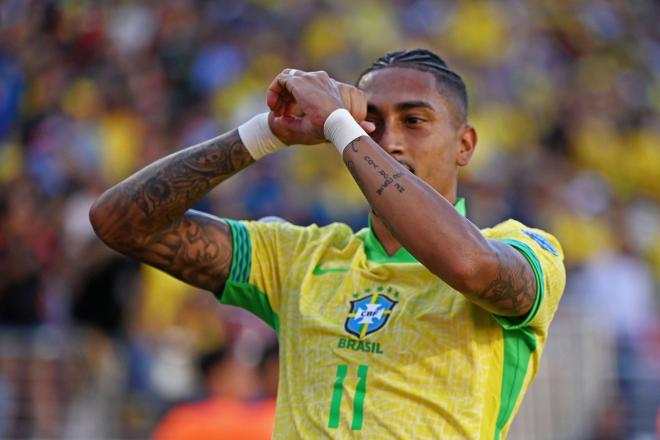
(450, 84)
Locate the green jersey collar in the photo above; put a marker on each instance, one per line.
(375, 251)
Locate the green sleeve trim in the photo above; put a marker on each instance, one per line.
(237, 291)
(252, 299)
(509, 323)
(241, 262)
(519, 344)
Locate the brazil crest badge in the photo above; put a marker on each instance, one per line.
(369, 314)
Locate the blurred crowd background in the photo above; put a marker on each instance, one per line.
(565, 96)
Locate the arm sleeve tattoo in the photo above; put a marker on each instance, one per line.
(147, 216)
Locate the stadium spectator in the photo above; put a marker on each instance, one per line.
(226, 411)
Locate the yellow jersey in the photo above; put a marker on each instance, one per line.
(374, 346)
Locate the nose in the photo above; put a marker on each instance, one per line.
(391, 140)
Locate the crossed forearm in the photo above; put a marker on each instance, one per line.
(414, 212)
(487, 273)
(160, 194)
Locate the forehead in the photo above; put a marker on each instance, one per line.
(394, 85)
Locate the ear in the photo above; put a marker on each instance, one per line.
(467, 138)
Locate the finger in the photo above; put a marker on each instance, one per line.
(274, 96)
(342, 92)
(354, 101)
(367, 126)
(350, 103)
(277, 85)
(364, 104)
(279, 94)
(359, 104)
(290, 106)
(273, 101)
(276, 104)
(346, 95)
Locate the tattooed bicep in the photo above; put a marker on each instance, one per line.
(513, 289)
(195, 248)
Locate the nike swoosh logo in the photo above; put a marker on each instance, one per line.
(318, 270)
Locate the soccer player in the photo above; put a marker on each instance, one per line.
(419, 326)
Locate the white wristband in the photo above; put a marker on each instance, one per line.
(257, 137)
(340, 128)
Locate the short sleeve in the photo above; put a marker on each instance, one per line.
(268, 262)
(255, 277)
(545, 256)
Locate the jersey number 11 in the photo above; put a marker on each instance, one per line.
(358, 400)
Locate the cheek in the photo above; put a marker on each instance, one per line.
(432, 147)
(435, 161)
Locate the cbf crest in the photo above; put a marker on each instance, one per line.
(370, 313)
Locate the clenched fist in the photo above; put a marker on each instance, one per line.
(300, 102)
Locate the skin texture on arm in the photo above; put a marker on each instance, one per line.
(147, 215)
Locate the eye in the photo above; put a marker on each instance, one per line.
(413, 120)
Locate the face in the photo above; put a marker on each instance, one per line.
(414, 125)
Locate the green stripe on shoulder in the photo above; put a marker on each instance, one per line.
(241, 263)
(519, 344)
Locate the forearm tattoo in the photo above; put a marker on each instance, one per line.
(388, 180)
(147, 216)
(182, 179)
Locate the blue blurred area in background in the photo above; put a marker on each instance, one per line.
(565, 97)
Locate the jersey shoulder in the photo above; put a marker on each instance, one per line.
(536, 238)
(284, 237)
(545, 255)
(270, 259)
(335, 232)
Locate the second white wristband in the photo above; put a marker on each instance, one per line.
(341, 129)
(257, 137)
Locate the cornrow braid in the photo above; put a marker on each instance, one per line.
(449, 82)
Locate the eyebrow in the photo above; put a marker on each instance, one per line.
(414, 104)
(408, 105)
